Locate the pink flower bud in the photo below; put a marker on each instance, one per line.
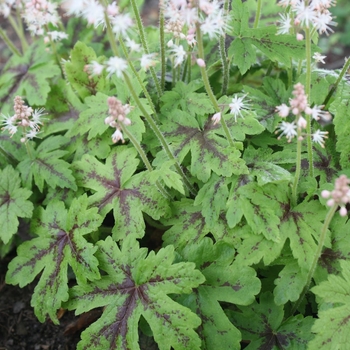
(216, 118)
(200, 63)
(300, 37)
(343, 211)
(325, 194)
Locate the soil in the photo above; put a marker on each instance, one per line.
(19, 327)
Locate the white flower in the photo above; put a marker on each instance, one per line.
(215, 25)
(237, 106)
(319, 137)
(322, 22)
(94, 68)
(117, 136)
(132, 45)
(317, 113)
(121, 24)
(283, 110)
(74, 7)
(216, 118)
(9, 124)
(57, 36)
(305, 14)
(36, 118)
(319, 58)
(285, 24)
(93, 12)
(179, 54)
(148, 60)
(288, 129)
(116, 65)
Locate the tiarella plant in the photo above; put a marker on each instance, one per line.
(185, 176)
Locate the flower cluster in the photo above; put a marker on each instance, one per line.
(182, 18)
(26, 118)
(297, 106)
(117, 117)
(38, 14)
(340, 196)
(6, 6)
(303, 14)
(94, 13)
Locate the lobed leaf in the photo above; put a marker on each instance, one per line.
(28, 76)
(45, 166)
(137, 285)
(14, 203)
(60, 243)
(115, 187)
(263, 327)
(332, 328)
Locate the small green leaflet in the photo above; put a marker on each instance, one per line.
(82, 83)
(290, 283)
(302, 225)
(27, 76)
(92, 119)
(171, 178)
(60, 243)
(260, 165)
(212, 197)
(263, 327)
(332, 327)
(261, 208)
(116, 187)
(225, 281)
(189, 225)
(137, 284)
(278, 48)
(14, 203)
(46, 165)
(341, 110)
(209, 151)
(255, 248)
(184, 96)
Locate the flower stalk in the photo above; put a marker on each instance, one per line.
(317, 256)
(145, 46)
(307, 92)
(208, 87)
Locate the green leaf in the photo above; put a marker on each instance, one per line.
(262, 326)
(239, 16)
(92, 119)
(341, 110)
(278, 48)
(184, 96)
(115, 187)
(260, 209)
(46, 166)
(136, 284)
(82, 83)
(60, 243)
(189, 225)
(13, 203)
(255, 248)
(212, 196)
(332, 327)
(302, 225)
(209, 151)
(290, 283)
(171, 178)
(260, 165)
(226, 282)
(28, 76)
